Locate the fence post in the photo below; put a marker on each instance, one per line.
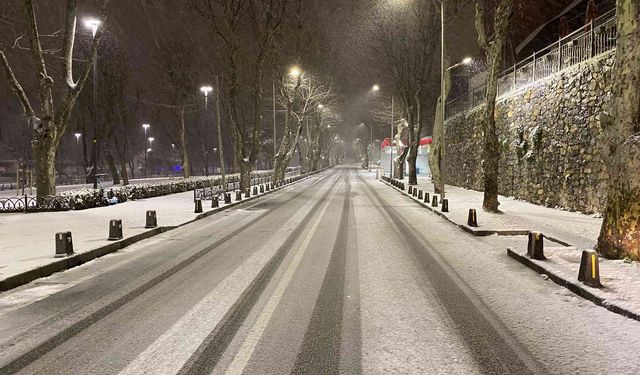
(591, 38)
(559, 55)
(26, 203)
(535, 64)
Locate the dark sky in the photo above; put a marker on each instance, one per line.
(338, 47)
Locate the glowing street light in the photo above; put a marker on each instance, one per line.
(206, 90)
(77, 135)
(92, 24)
(467, 60)
(151, 139)
(375, 88)
(295, 72)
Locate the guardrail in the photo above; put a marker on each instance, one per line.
(594, 39)
(208, 193)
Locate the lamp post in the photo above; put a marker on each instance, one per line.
(93, 25)
(150, 139)
(376, 88)
(173, 159)
(205, 91)
(145, 127)
(78, 135)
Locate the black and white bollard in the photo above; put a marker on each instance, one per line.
(152, 220)
(247, 193)
(238, 195)
(445, 205)
(535, 247)
(261, 189)
(198, 206)
(414, 192)
(64, 244)
(214, 202)
(434, 201)
(410, 190)
(472, 219)
(420, 194)
(115, 230)
(589, 272)
(227, 198)
(255, 190)
(427, 198)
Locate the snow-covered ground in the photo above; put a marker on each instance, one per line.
(28, 240)
(621, 280)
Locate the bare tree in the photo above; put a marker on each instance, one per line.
(620, 234)
(403, 43)
(246, 50)
(51, 120)
(304, 98)
(494, 49)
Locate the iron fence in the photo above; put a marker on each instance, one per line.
(594, 39)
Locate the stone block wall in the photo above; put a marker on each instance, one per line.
(550, 136)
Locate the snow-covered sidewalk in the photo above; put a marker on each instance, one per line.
(570, 227)
(620, 279)
(28, 240)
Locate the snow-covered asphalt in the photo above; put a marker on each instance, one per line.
(336, 274)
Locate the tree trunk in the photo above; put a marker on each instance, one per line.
(184, 154)
(44, 153)
(123, 172)
(132, 169)
(620, 233)
(112, 167)
(245, 175)
(494, 50)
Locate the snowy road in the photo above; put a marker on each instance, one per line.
(336, 274)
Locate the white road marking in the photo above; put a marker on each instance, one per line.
(169, 353)
(241, 359)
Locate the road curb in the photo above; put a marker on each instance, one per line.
(477, 232)
(575, 287)
(78, 259)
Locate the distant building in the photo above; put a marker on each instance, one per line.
(422, 162)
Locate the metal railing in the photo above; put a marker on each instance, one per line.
(594, 39)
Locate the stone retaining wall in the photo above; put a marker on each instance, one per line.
(550, 140)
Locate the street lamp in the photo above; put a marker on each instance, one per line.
(173, 158)
(465, 61)
(295, 72)
(77, 135)
(145, 127)
(93, 25)
(205, 91)
(375, 89)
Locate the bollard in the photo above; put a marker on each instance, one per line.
(255, 190)
(589, 272)
(152, 220)
(434, 201)
(472, 219)
(266, 187)
(238, 195)
(198, 206)
(420, 194)
(64, 244)
(247, 193)
(535, 247)
(427, 199)
(414, 192)
(410, 189)
(261, 189)
(445, 205)
(402, 187)
(227, 198)
(115, 230)
(214, 202)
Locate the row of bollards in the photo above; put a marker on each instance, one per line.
(64, 240)
(589, 272)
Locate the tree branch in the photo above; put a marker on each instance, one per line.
(16, 87)
(480, 26)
